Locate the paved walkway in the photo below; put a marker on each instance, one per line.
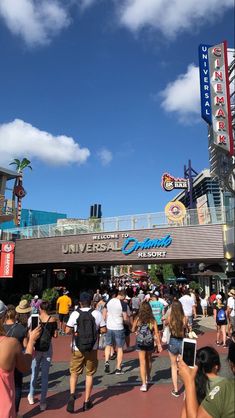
(118, 396)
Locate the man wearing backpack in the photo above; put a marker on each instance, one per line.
(85, 324)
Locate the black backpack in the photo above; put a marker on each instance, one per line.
(44, 341)
(86, 331)
(144, 336)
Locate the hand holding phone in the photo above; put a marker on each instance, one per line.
(189, 351)
(34, 321)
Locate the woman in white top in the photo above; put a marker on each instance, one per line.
(204, 304)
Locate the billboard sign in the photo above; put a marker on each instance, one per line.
(175, 211)
(7, 259)
(170, 183)
(220, 97)
(205, 83)
(202, 210)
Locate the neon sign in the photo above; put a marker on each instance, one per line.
(132, 244)
(169, 182)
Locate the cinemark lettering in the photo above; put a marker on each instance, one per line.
(220, 98)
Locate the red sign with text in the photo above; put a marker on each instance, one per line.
(7, 259)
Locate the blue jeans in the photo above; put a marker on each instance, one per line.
(116, 337)
(41, 360)
(175, 345)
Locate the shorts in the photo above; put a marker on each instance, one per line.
(219, 323)
(63, 317)
(160, 327)
(175, 345)
(115, 337)
(190, 321)
(80, 360)
(148, 349)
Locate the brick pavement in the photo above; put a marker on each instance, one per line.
(117, 396)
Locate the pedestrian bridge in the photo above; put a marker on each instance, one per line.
(203, 235)
(64, 227)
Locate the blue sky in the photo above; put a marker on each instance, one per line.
(102, 96)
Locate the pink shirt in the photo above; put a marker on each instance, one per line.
(7, 391)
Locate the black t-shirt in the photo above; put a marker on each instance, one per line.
(16, 330)
(51, 328)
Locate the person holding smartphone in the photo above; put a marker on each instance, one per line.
(43, 353)
(219, 402)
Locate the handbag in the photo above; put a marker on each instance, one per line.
(102, 342)
(166, 335)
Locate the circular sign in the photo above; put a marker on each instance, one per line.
(175, 211)
(7, 248)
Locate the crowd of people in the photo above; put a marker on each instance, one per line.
(157, 315)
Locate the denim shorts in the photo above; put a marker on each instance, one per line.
(115, 337)
(175, 345)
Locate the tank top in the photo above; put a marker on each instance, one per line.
(7, 391)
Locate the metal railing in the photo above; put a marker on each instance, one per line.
(204, 216)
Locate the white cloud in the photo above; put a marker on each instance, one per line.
(34, 21)
(182, 96)
(105, 156)
(20, 139)
(168, 16)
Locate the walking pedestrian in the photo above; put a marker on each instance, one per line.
(63, 304)
(116, 317)
(14, 329)
(147, 337)
(177, 322)
(43, 354)
(220, 317)
(84, 324)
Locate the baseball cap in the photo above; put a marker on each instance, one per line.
(85, 297)
(66, 292)
(232, 292)
(3, 308)
(156, 293)
(218, 296)
(36, 297)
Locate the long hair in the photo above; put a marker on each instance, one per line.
(10, 313)
(145, 314)
(177, 319)
(206, 359)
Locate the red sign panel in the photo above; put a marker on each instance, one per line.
(7, 259)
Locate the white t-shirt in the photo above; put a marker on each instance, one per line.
(115, 309)
(163, 301)
(231, 305)
(187, 303)
(72, 323)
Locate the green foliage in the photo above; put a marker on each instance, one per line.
(21, 165)
(161, 270)
(194, 285)
(50, 294)
(27, 296)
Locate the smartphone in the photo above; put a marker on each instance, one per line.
(34, 321)
(189, 351)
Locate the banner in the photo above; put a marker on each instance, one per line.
(203, 210)
(205, 83)
(7, 260)
(220, 97)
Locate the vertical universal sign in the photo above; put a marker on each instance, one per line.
(7, 259)
(220, 97)
(205, 83)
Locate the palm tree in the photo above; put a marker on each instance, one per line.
(18, 189)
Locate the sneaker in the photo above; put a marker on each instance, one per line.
(106, 367)
(30, 399)
(194, 334)
(70, 405)
(87, 405)
(113, 356)
(143, 388)
(174, 393)
(43, 406)
(217, 343)
(190, 334)
(119, 371)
